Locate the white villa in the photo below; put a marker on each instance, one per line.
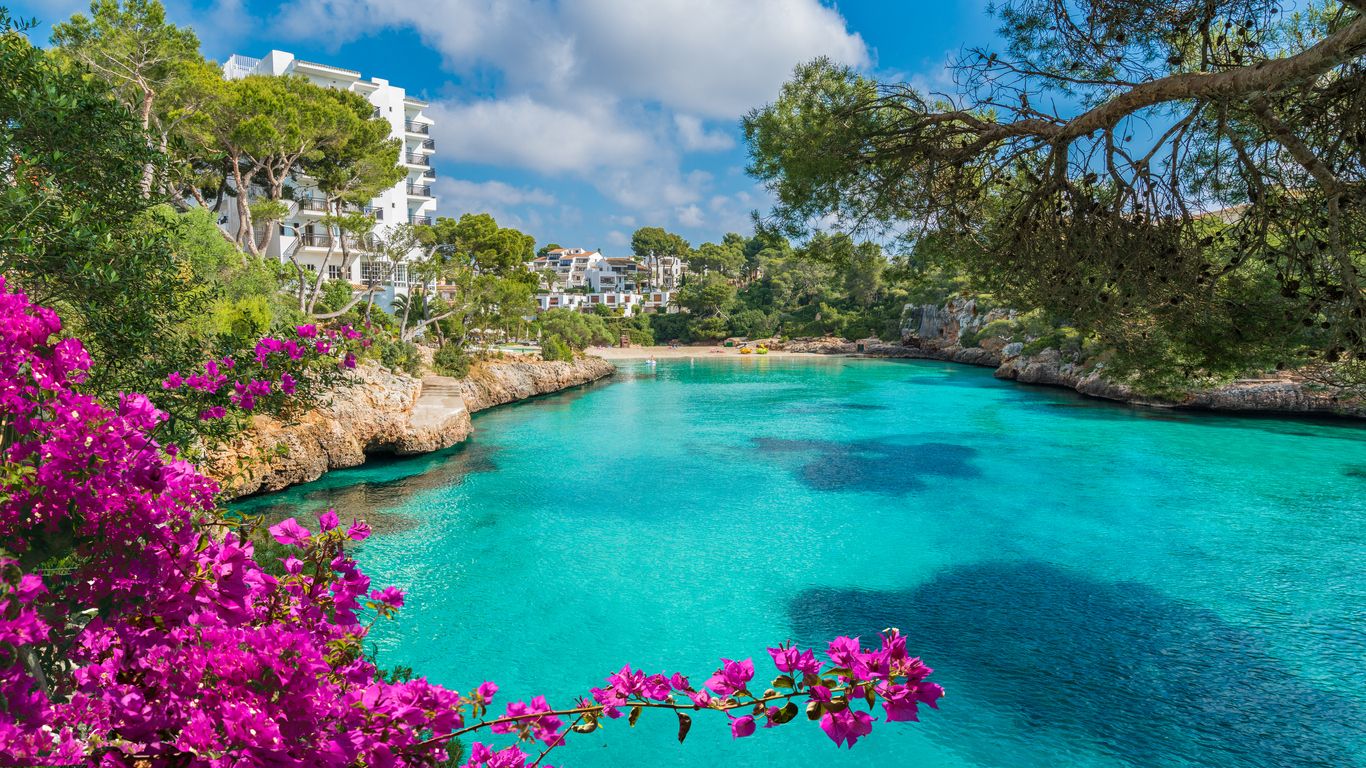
(411, 200)
(664, 273)
(583, 279)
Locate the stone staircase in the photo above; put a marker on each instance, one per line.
(441, 400)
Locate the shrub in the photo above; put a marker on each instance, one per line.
(400, 356)
(641, 338)
(754, 324)
(708, 327)
(451, 360)
(996, 328)
(576, 329)
(335, 295)
(667, 327)
(1066, 340)
(555, 348)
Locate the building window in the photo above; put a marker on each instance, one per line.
(401, 273)
(372, 272)
(311, 267)
(334, 272)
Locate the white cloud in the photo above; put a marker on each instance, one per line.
(618, 238)
(711, 57)
(716, 58)
(691, 216)
(697, 138)
(520, 131)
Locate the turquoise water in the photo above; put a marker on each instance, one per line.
(1096, 585)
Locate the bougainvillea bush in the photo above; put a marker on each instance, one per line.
(136, 627)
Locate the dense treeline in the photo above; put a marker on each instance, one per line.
(764, 286)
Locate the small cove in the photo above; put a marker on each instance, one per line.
(1097, 585)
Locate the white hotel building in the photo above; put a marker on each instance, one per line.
(411, 200)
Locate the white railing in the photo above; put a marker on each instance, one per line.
(239, 66)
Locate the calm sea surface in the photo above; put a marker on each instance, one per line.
(1095, 585)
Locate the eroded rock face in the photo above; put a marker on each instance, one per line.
(944, 324)
(380, 411)
(937, 332)
(511, 380)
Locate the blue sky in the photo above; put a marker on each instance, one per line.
(580, 120)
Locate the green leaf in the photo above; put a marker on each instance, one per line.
(783, 681)
(589, 725)
(635, 715)
(814, 710)
(684, 723)
(786, 714)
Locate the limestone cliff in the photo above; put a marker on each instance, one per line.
(380, 411)
(935, 331)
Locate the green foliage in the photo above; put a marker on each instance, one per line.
(153, 68)
(648, 241)
(636, 328)
(1068, 341)
(335, 295)
(727, 259)
(669, 326)
(476, 239)
(451, 360)
(76, 232)
(712, 328)
(1040, 212)
(754, 324)
(555, 348)
(400, 356)
(576, 329)
(707, 296)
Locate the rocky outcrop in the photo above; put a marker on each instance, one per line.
(511, 380)
(936, 332)
(378, 411)
(944, 324)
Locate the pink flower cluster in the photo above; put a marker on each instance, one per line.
(855, 677)
(271, 376)
(195, 654)
(169, 644)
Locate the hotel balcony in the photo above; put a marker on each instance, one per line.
(412, 158)
(412, 126)
(419, 190)
(425, 221)
(310, 203)
(429, 144)
(312, 239)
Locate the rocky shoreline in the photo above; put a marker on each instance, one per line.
(384, 412)
(934, 332)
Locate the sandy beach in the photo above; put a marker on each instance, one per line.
(663, 353)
